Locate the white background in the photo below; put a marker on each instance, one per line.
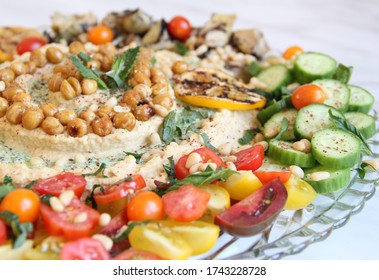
(347, 30)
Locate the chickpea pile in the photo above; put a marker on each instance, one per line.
(149, 93)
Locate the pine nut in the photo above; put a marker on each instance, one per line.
(111, 102)
(193, 159)
(212, 165)
(2, 85)
(155, 139)
(231, 158)
(104, 219)
(66, 197)
(264, 144)
(373, 164)
(297, 171)
(319, 176)
(105, 240)
(195, 168)
(80, 218)
(56, 204)
(225, 149)
(230, 165)
(299, 146)
(160, 110)
(269, 133)
(307, 144)
(259, 138)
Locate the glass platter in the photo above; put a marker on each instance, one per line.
(293, 231)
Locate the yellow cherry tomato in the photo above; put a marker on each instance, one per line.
(241, 184)
(49, 249)
(300, 193)
(219, 201)
(7, 252)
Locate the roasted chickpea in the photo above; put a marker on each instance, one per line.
(3, 106)
(54, 55)
(31, 67)
(19, 68)
(163, 100)
(63, 69)
(65, 116)
(7, 75)
(77, 127)
(52, 126)
(105, 110)
(87, 115)
(55, 82)
(160, 89)
(21, 97)
(70, 88)
(143, 112)
(143, 90)
(76, 47)
(140, 78)
(180, 67)
(93, 64)
(11, 91)
(49, 110)
(125, 120)
(107, 49)
(15, 112)
(32, 118)
(146, 53)
(107, 62)
(89, 86)
(102, 126)
(159, 80)
(131, 98)
(156, 72)
(38, 58)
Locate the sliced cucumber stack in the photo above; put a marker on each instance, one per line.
(360, 100)
(337, 94)
(335, 178)
(313, 118)
(363, 122)
(311, 66)
(275, 77)
(274, 125)
(264, 115)
(285, 154)
(336, 148)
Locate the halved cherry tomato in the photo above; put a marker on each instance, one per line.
(135, 254)
(267, 176)
(63, 223)
(100, 34)
(179, 28)
(307, 94)
(84, 249)
(62, 182)
(219, 201)
(22, 202)
(186, 204)
(300, 193)
(256, 212)
(292, 52)
(207, 155)
(250, 159)
(3, 232)
(29, 44)
(146, 205)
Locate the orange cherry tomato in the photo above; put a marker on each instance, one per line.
(100, 34)
(146, 205)
(267, 176)
(307, 94)
(22, 202)
(292, 52)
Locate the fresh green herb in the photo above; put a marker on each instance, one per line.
(45, 199)
(6, 187)
(130, 227)
(90, 200)
(181, 48)
(31, 184)
(20, 231)
(284, 128)
(285, 91)
(207, 142)
(248, 136)
(97, 172)
(253, 68)
(85, 58)
(345, 125)
(343, 73)
(135, 155)
(169, 168)
(168, 129)
(153, 61)
(364, 168)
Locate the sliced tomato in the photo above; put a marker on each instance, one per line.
(3, 232)
(207, 155)
(84, 249)
(135, 254)
(186, 204)
(267, 176)
(59, 183)
(256, 212)
(63, 223)
(250, 159)
(29, 44)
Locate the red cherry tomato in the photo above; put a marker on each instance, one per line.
(22, 202)
(100, 34)
(84, 249)
(62, 182)
(63, 223)
(292, 52)
(29, 44)
(135, 254)
(181, 171)
(250, 159)
(306, 95)
(186, 204)
(3, 232)
(179, 28)
(144, 206)
(256, 212)
(267, 176)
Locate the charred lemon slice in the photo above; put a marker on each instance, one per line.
(215, 89)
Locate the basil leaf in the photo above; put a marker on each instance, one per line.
(88, 73)
(84, 57)
(169, 168)
(207, 142)
(248, 136)
(20, 231)
(90, 200)
(284, 128)
(135, 155)
(343, 73)
(97, 172)
(6, 187)
(45, 199)
(130, 227)
(30, 185)
(253, 68)
(181, 48)
(168, 128)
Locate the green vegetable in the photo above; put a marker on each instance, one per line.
(169, 169)
(343, 73)
(30, 185)
(45, 199)
(135, 155)
(153, 61)
(97, 172)
(284, 128)
(20, 231)
(248, 136)
(6, 187)
(84, 57)
(180, 48)
(207, 142)
(253, 68)
(130, 227)
(90, 199)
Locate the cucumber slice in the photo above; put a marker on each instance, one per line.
(337, 94)
(363, 122)
(360, 100)
(311, 66)
(336, 148)
(285, 154)
(313, 118)
(274, 125)
(338, 179)
(264, 115)
(275, 77)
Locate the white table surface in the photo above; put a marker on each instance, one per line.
(348, 30)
